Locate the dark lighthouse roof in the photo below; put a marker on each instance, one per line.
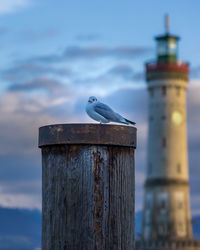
(167, 36)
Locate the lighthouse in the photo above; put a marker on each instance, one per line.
(166, 212)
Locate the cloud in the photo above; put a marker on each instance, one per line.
(22, 114)
(28, 75)
(122, 70)
(31, 35)
(126, 72)
(50, 85)
(131, 101)
(20, 201)
(77, 70)
(9, 6)
(20, 186)
(98, 52)
(88, 37)
(94, 52)
(109, 80)
(28, 70)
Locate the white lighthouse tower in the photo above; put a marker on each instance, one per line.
(167, 204)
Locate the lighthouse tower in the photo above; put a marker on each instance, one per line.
(166, 203)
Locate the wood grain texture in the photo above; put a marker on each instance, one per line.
(88, 197)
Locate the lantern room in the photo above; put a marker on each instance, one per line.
(167, 48)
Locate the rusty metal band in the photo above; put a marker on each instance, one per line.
(94, 134)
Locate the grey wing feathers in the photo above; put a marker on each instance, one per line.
(106, 112)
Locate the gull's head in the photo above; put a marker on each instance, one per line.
(92, 99)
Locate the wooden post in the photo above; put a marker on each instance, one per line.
(87, 186)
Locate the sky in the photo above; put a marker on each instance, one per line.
(55, 54)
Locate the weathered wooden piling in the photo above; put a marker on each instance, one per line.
(87, 186)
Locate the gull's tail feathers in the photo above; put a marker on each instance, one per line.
(129, 122)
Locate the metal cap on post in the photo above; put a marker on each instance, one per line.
(87, 186)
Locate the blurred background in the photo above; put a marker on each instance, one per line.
(54, 55)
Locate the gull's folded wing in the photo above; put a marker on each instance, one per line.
(105, 111)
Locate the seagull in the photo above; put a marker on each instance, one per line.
(103, 113)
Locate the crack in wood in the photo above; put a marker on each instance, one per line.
(98, 200)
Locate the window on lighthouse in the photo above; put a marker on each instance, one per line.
(177, 117)
(164, 142)
(167, 47)
(179, 168)
(172, 47)
(164, 90)
(162, 48)
(180, 205)
(163, 204)
(162, 229)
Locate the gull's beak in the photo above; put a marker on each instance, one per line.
(90, 101)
